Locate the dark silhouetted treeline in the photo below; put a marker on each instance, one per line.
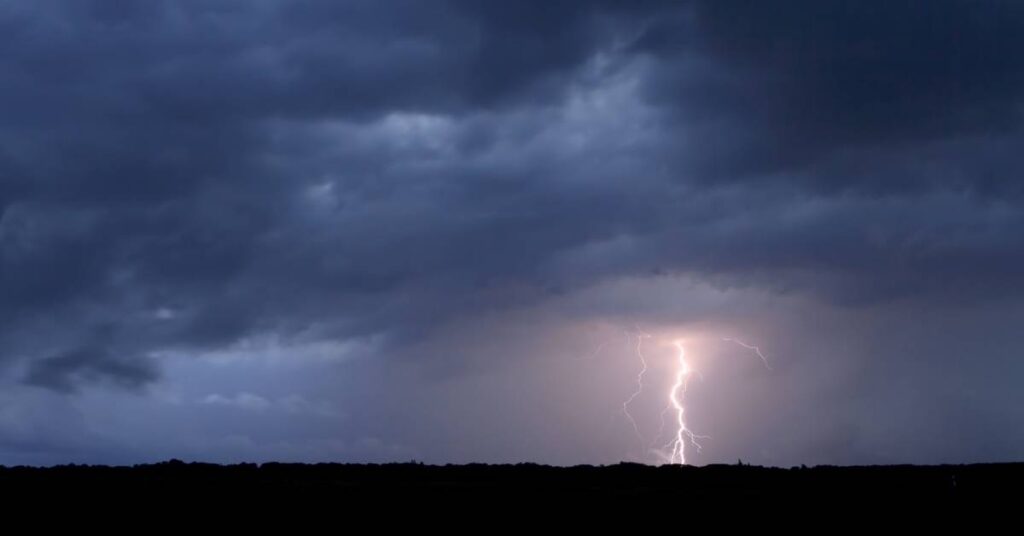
(719, 486)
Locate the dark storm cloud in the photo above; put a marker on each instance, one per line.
(813, 88)
(95, 359)
(196, 172)
(144, 169)
(64, 372)
(875, 72)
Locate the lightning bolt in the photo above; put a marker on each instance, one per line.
(676, 401)
(674, 452)
(640, 336)
(751, 347)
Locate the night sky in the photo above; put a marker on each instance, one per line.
(369, 231)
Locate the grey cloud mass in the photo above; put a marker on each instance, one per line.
(408, 215)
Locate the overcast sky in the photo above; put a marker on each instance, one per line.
(309, 230)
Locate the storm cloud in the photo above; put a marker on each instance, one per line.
(366, 230)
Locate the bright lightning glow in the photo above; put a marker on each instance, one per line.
(675, 451)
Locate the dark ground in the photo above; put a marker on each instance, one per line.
(728, 487)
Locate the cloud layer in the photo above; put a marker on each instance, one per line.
(409, 214)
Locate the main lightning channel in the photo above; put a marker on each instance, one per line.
(675, 451)
(675, 396)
